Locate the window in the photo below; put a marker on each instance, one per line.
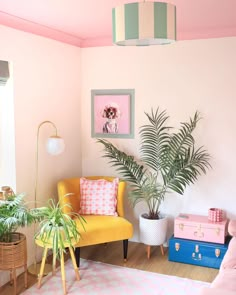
(7, 135)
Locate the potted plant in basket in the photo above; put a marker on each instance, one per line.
(169, 162)
(14, 213)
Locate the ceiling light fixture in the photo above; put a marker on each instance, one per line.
(144, 23)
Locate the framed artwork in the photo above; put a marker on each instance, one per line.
(112, 113)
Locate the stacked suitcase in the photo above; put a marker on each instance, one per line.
(198, 241)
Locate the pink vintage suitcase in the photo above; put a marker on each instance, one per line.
(197, 227)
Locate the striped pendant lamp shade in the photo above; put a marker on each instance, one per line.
(144, 23)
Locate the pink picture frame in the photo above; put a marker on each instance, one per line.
(112, 113)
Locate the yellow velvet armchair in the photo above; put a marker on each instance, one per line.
(98, 228)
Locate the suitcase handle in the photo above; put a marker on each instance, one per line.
(198, 234)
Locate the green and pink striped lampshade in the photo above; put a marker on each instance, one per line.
(144, 23)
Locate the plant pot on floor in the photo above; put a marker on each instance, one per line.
(13, 255)
(153, 232)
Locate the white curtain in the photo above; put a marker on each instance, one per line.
(4, 72)
(7, 131)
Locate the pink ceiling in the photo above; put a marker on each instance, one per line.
(87, 23)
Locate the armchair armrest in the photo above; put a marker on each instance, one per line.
(68, 193)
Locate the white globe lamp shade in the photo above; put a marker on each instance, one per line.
(55, 145)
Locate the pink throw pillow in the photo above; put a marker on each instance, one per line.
(98, 197)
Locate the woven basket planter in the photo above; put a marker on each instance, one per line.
(13, 254)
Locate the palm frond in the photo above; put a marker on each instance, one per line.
(186, 170)
(183, 139)
(179, 146)
(125, 164)
(154, 139)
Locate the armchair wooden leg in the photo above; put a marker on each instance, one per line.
(77, 256)
(125, 248)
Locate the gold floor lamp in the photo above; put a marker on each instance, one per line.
(55, 145)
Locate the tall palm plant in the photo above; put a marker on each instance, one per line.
(169, 161)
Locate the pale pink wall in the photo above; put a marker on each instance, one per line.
(181, 78)
(47, 82)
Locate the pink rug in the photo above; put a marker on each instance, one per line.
(104, 279)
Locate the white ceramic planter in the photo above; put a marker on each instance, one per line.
(153, 231)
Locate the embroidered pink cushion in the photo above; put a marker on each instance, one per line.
(98, 197)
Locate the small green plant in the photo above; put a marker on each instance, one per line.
(57, 228)
(14, 213)
(169, 161)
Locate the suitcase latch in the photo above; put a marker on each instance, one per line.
(217, 231)
(181, 226)
(217, 252)
(177, 246)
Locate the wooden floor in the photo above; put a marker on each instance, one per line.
(112, 253)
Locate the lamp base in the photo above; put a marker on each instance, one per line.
(34, 269)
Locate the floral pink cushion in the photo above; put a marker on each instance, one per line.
(98, 197)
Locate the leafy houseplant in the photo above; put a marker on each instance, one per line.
(13, 214)
(169, 161)
(57, 228)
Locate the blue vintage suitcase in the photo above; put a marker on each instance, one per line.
(196, 252)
